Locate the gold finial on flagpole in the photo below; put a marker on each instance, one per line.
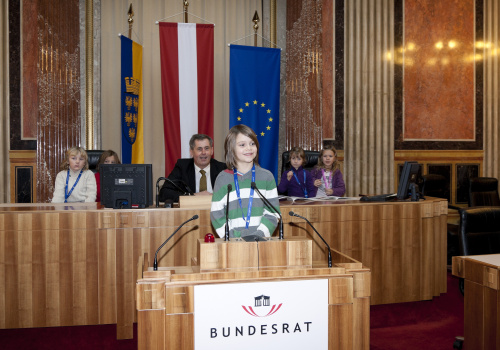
(130, 21)
(186, 4)
(255, 21)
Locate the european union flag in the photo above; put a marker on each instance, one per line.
(254, 97)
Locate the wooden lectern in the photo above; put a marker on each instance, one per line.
(482, 299)
(165, 298)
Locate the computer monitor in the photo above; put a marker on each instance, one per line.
(410, 174)
(125, 186)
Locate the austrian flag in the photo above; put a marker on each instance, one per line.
(187, 83)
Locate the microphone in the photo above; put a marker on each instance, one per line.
(155, 263)
(254, 186)
(177, 186)
(226, 235)
(158, 191)
(188, 189)
(329, 251)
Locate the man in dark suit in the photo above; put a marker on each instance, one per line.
(198, 173)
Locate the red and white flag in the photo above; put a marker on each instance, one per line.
(187, 83)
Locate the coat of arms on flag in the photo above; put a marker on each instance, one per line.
(131, 100)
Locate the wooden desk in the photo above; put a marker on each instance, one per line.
(66, 265)
(482, 299)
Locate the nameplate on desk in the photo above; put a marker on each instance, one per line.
(195, 202)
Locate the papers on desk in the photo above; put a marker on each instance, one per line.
(317, 199)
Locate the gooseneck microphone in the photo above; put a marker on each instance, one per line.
(188, 189)
(155, 263)
(226, 235)
(185, 191)
(158, 191)
(254, 186)
(329, 251)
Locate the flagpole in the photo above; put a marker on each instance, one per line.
(255, 21)
(186, 4)
(272, 23)
(130, 21)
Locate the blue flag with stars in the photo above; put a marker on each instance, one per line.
(254, 97)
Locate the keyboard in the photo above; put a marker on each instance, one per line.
(379, 198)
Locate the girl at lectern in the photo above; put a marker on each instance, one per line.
(239, 185)
(107, 157)
(327, 174)
(297, 182)
(75, 183)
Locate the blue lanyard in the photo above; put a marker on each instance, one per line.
(304, 188)
(66, 194)
(250, 200)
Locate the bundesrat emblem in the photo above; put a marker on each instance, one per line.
(262, 307)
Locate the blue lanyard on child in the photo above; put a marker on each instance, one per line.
(66, 194)
(304, 188)
(250, 200)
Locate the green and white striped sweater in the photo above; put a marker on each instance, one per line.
(263, 220)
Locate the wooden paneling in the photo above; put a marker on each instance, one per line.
(68, 265)
(22, 160)
(453, 159)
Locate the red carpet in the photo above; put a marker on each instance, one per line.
(101, 337)
(429, 325)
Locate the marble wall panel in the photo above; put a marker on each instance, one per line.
(437, 116)
(328, 71)
(29, 69)
(58, 81)
(439, 70)
(16, 140)
(304, 66)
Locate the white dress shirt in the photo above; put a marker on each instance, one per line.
(198, 177)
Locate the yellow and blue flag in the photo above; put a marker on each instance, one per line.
(254, 97)
(131, 111)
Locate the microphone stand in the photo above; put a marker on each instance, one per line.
(226, 235)
(155, 263)
(329, 250)
(254, 186)
(158, 191)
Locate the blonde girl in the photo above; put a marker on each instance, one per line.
(75, 183)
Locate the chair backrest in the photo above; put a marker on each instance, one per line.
(479, 230)
(93, 158)
(434, 185)
(483, 191)
(311, 160)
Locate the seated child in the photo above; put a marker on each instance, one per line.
(327, 174)
(297, 182)
(75, 183)
(107, 157)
